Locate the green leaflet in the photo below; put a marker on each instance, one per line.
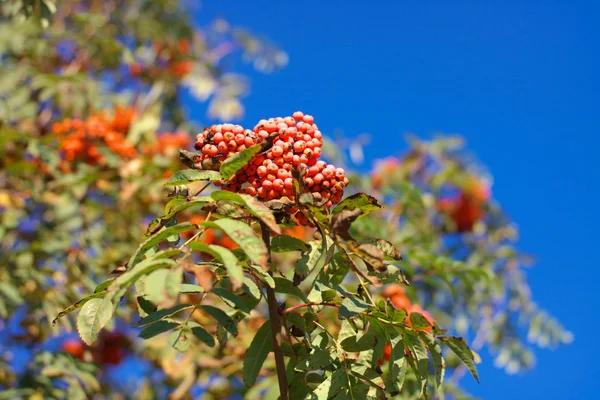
(259, 349)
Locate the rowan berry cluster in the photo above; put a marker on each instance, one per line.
(296, 144)
(169, 142)
(173, 59)
(80, 139)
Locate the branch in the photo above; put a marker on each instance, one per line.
(274, 318)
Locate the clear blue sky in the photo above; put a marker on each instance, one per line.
(519, 79)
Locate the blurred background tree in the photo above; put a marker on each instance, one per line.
(91, 121)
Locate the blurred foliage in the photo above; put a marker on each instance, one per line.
(91, 123)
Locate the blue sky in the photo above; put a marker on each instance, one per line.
(517, 78)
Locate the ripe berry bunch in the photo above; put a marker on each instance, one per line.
(296, 144)
(79, 139)
(169, 142)
(173, 59)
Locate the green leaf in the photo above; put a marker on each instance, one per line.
(362, 201)
(321, 292)
(116, 291)
(163, 284)
(311, 259)
(190, 288)
(157, 328)
(224, 320)
(352, 306)
(418, 321)
(252, 288)
(389, 250)
(439, 365)
(231, 299)
(233, 164)
(255, 206)
(285, 243)
(330, 387)
(462, 350)
(245, 237)
(266, 277)
(77, 305)
(419, 355)
(318, 360)
(11, 293)
(257, 353)
(283, 285)
(397, 369)
(160, 314)
(195, 201)
(186, 176)
(202, 334)
(353, 344)
(227, 258)
(179, 339)
(155, 239)
(94, 314)
(104, 285)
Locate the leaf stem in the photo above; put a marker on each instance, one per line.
(274, 318)
(312, 303)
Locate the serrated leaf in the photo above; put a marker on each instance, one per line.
(355, 344)
(394, 380)
(245, 237)
(330, 387)
(155, 239)
(418, 321)
(77, 305)
(360, 201)
(202, 334)
(253, 205)
(233, 164)
(94, 314)
(187, 176)
(462, 350)
(418, 358)
(266, 277)
(160, 314)
(226, 257)
(157, 328)
(439, 365)
(316, 361)
(179, 339)
(285, 243)
(389, 250)
(162, 284)
(285, 286)
(224, 320)
(257, 353)
(352, 306)
(190, 288)
(177, 208)
(252, 288)
(231, 299)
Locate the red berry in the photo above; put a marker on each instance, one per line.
(298, 115)
(240, 138)
(213, 150)
(267, 184)
(262, 171)
(277, 151)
